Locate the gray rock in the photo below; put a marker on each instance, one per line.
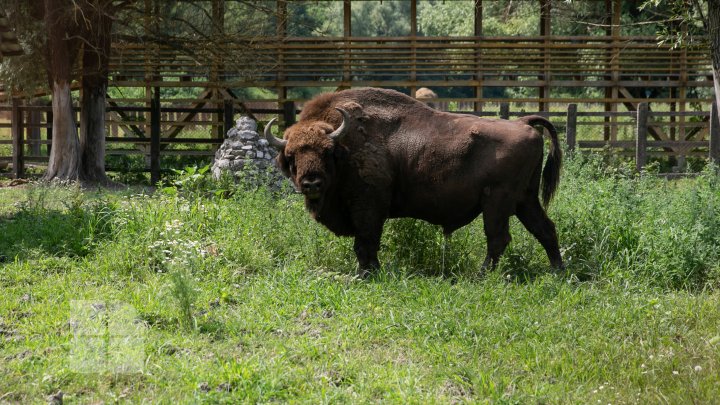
(248, 135)
(246, 156)
(246, 124)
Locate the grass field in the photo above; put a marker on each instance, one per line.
(126, 296)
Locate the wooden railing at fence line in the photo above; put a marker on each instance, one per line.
(146, 133)
(561, 62)
(702, 136)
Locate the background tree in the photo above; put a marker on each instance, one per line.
(58, 32)
(62, 47)
(95, 62)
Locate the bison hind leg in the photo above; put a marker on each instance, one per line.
(533, 217)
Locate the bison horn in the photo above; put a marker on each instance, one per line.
(337, 134)
(274, 142)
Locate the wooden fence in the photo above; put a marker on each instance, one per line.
(662, 133)
(414, 61)
(149, 130)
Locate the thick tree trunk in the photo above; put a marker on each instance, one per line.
(65, 154)
(67, 21)
(64, 162)
(92, 134)
(714, 32)
(94, 84)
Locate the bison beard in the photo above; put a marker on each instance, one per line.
(362, 156)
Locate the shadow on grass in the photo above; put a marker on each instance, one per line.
(47, 232)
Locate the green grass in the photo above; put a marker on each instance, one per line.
(246, 299)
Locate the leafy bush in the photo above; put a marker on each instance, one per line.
(615, 223)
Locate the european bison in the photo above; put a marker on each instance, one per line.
(424, 94)
(361, 156)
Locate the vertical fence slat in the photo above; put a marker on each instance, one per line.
(714, 134)
(17, 140)
(32, 130)
(155, 137)
(228, 115)
(49, 132)
(288, 113)
(571, 127)
(641, 133)
(505, 111)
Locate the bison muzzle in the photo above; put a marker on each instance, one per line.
(361, 156)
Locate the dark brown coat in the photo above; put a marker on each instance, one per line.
(362, 156)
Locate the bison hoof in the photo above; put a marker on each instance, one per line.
(363, 274)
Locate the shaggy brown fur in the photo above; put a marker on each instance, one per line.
(400, 158)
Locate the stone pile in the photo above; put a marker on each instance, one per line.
(246, 155)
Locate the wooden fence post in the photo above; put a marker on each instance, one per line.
(155, 137)
(17, 140)
(571, 127)
(49, 133)
(505, 111)
(32, 129)
(714, 134)
(228, 115)
(288, 113)
(641, 141)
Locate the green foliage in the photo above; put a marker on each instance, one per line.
(184, 293)
(25, 72)
(192, 180)
(437, 18)
(386, 19)
(500, 18)
(670, 15)
(641, 227)
(307, 19)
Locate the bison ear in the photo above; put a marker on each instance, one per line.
(351, 107)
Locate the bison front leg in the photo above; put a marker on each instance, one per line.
(366, 250)
(368, 218)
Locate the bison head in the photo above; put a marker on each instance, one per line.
(308, 156)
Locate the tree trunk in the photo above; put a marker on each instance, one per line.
(714, 32)
(83, 159)
(92, 134)
(65, 153)
(96, 53)
(64, 162)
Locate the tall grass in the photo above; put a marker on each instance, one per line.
(613, 224)
(617, 224)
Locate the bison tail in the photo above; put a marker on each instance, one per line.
(551, 171)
